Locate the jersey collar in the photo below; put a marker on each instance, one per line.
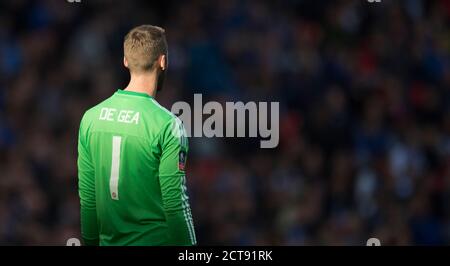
(141, 94)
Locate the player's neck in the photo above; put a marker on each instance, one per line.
(143, 83)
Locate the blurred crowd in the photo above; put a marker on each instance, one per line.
(364, 90)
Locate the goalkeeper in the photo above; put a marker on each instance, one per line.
(132, 155)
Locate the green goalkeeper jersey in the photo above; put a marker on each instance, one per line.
(131, 178)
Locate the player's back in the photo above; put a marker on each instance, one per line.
(122, 135)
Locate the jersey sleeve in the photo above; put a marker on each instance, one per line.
(172, 178)
(86, 189)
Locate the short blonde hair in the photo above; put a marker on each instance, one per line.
(142, 47)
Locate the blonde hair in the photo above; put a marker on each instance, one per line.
(142, 47)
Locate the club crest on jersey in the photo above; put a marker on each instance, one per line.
(181, 160)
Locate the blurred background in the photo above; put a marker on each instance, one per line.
(364, 92)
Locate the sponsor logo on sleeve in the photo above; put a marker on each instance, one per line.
(181, 160)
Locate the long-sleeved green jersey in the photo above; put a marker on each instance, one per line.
(131, 178)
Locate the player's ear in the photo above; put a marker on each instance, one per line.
(163, 62)
(125, 62)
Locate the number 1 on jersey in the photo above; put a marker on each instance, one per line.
(115, 164)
